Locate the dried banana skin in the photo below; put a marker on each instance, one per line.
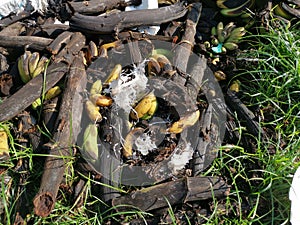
(113, 22)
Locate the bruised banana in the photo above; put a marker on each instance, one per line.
(184, 122)
(93, 111)
(33, 62)
(96, 87)
(114, 74)
(164, 63)
(40, 66)
(146, 108)
(23, 66)
(129, 141)
(90, 144)
(101, 100)
(220, 75)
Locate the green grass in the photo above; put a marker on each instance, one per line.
(272, 85)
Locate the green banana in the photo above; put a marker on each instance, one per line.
(23, 66)
(40, 66)
(293, 8)
(234, 12)
(229, 4)
(228, 29)
(236, 34)
(90, 144)
(52, 92)
(33, 62)
(213, 31)
(230, 46)
(220, 28)
(96, 88)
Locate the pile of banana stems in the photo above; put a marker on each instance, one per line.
(62, 119)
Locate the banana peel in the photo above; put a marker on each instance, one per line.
(184, 122)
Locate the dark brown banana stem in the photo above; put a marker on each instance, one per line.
(115, 22)
(64, 137)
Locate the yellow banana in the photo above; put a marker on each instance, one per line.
(4, 148)
(184, 122)
(129, 141)
(90, 144)
(40, 66)
(33, 62)
(93, 111)
(36, 103)
(52, 92)
(101, 100)
(235, 86)
(220, 75)
(114, 74)
(96, 88)
(145, 108)
(23, 66)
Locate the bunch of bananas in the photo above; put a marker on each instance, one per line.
(287, 9)
(160, 64)
(97, 99)
(146, 108)
(30, 65)
(234, 8)
(225, 38)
